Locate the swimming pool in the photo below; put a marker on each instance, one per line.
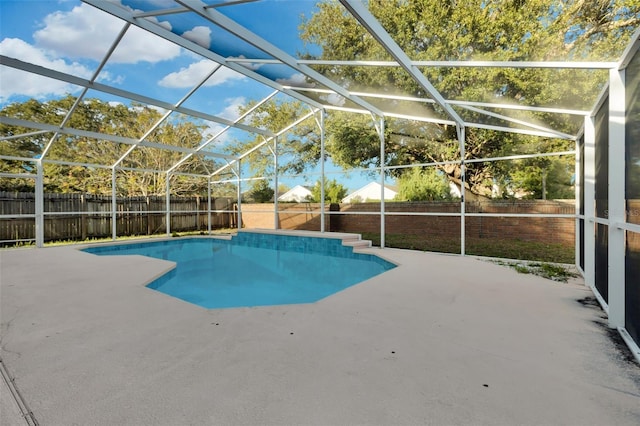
(254, 269)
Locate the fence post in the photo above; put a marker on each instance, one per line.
(83, 217)
(114, 206)
(168, 205)
(209, 206)
(39, 205)
(197, 212)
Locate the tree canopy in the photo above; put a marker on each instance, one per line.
(505, 30)
(423, 185)
(113, 119)
(334, 192)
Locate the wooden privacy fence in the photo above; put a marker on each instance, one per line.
(82, 216)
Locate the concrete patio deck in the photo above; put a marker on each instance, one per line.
(440, 340)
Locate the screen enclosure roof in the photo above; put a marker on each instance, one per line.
(211, 48)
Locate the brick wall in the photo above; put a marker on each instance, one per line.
(306, 216)
(547, 230)
(303, 216)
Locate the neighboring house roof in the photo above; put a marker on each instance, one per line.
(297, 194)
(370, 191)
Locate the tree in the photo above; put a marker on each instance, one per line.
(262, 192)
(298, 149)
(115, 119)
(544, 178)
(282, 188)
(423, 185)
(334, 192)
(475, 29)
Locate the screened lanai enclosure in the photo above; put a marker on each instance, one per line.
(501, 130)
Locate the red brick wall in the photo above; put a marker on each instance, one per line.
(304, 216)
(547, 230)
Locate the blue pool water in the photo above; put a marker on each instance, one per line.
(254, 269)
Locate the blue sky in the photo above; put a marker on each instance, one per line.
(73, 37)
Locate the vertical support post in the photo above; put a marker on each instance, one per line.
(617, 204)
(380, 129)
(276, 224)
(462, 141)
(39, 204)
(167, 202)
(209, 205)
(589, 201)
(239, 179)
(114, 205)
(322, 155)
(578, 203)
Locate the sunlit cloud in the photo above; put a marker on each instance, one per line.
(16, 82)
(194, 73)
(248, 65)
(221, 139)
(199, 35)
(232, 110)
(295, 80)
(335, 99)
(86, 32)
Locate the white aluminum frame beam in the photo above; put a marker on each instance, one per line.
(362, 15)
(167, 114)
(617, 203)
(453, 102)
(630, 51)
(154, 28)
(80, 97)
(221, 132)
(543, 129)
(445, 64)
(24, 135)
(174, 10)
(81, 82)
(100, 136)
(263, 143)
(243, 33)
(452, 123)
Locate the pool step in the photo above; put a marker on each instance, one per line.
(357, 244)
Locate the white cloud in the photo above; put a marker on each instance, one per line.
(86, 32)
(334, 99)
(295, 80)
(231, 111)
(212, 130)
(249, 65)
(190, 76)
(199, 35)
(15, 82)
(114, 80)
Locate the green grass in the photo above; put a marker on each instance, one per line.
(551, 271)
(504, 249)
